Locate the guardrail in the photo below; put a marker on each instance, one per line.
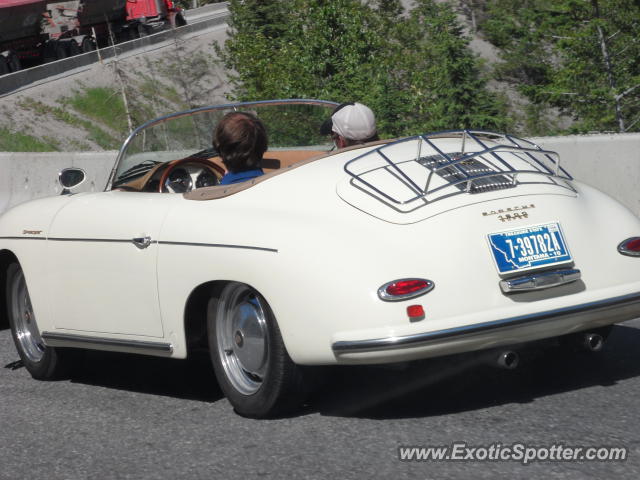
(610, 163)
(16, 81)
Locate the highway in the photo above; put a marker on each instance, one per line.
(120, 416)
(199, 20)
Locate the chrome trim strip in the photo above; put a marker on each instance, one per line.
(540, 280)
(162, 242)
(408, 341)
(93, 240)
(23, 238)
(66, 340)
(218, 245)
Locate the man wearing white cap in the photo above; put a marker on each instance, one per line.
(351, 124)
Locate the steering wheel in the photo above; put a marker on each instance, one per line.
(181, 176)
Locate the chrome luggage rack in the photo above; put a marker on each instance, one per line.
(390, 172)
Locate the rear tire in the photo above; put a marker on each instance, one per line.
(4, 66)
(60, 51)
(14, 62)
(180, 20)
(129, 33)
(248, 354)
(42, 362)
(73, 48)
(142, 30)
(87, 45)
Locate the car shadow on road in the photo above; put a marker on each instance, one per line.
(432, 387)
(188, 379)
(463, 383)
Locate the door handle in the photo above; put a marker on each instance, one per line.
(141, 242)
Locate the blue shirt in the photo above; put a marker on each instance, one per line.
(238, 177)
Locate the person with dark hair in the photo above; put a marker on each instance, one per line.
(241, 140)
(351, 124)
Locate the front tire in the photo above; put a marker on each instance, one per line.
(42, 362)
(248, 354)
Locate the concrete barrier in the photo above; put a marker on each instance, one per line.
(25, 176)
(610, 163)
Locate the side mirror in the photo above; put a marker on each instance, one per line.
(70, 178)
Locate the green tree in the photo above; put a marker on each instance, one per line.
(582, 56)
(414, 71)
(440, 79)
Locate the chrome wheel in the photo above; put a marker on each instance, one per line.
(24, 320)
(242, 337)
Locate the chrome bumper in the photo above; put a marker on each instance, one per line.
(617, 309)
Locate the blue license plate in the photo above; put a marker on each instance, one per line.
(529, 247)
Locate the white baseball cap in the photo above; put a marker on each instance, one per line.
(354, 121)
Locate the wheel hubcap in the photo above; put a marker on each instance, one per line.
(242, 337)
(25, 322)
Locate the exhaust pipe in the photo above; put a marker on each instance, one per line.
(592, 342)
(508, 360)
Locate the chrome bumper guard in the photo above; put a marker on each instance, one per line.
(628, 305)
(539, 280)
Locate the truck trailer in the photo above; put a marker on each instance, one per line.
(37, 31)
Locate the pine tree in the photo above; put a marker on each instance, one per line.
(582, 56)
(414, 71)
(440, 78)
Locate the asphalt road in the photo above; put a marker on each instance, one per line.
(123, 416)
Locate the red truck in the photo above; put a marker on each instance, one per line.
(35, 31)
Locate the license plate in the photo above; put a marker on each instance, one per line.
(529, 247)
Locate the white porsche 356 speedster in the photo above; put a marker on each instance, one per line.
(386, 252)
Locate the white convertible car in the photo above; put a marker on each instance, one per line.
(386, 252)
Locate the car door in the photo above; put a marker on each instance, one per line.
(102, 253)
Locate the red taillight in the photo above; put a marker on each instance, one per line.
(404, 289)
(631, 247)
(634, 245)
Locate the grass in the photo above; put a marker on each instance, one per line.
(96, 134)
(98, 111)
(102, 104)
(160, 96)
(20, 142)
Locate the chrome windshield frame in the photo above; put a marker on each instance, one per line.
(184, 113)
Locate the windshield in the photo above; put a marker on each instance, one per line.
(290, 124)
